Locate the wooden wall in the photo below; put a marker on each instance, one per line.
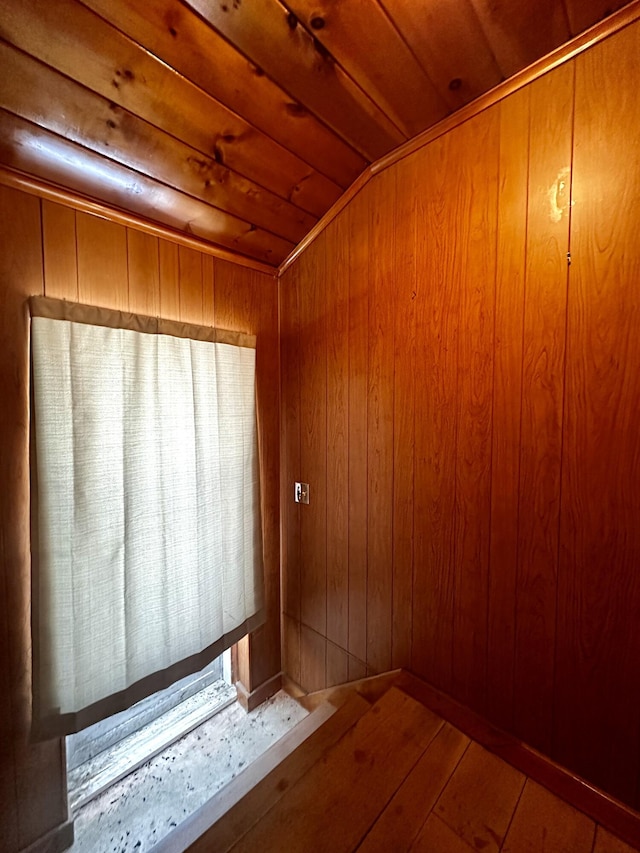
(50, 249)
(465, 407)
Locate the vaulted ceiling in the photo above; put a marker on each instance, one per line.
(242, 121)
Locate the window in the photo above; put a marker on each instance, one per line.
(146, 537)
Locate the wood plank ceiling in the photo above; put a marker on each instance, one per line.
(242, 121)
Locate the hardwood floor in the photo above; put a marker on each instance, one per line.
(393, 775)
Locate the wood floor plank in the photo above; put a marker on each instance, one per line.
(543, 822)
(403, 818)
(608, 843)
(602, 808)
(480, 799)
(258, 801)
(334, 805)
(437, 836)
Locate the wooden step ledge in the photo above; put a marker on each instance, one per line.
(334, 804)
(215, 825)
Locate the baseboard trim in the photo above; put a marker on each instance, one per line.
(55, 841)
(251, 699)
(604, 809)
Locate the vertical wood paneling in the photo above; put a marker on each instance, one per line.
(313, 441)
(8, 801)
(476, 227)
(144, 273)
(169, 281)
(337, 304)
(435, 418)
(542, 399)
(513, 489)
(291, 647)
(290, 472)
(356, 669)
(102, 262)
(266, 651)
(208, 291)
(337, 665)
(290, 443)
(59, 250)
(313, 659)
(13, 558)
(357, 225)
(31, 775)
(380, 423)
(598, 647)
(507, 392)
(190, 278)
(265, 645)
(39, 771)
(405, 293)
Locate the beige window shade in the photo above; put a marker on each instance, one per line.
(146, 547)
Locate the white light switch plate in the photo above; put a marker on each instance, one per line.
(301, 493)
